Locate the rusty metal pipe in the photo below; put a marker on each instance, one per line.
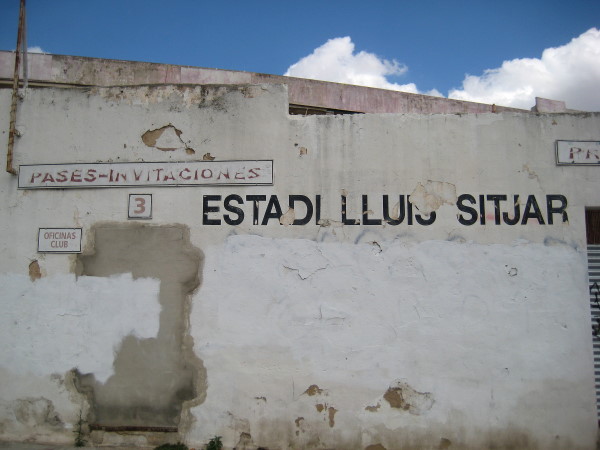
(15, 92)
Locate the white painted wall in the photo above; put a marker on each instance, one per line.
(492, 321)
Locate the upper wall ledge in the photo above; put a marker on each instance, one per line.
(83, 71)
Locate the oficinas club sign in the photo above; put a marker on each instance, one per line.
(482, 209)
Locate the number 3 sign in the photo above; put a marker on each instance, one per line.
(140, 206)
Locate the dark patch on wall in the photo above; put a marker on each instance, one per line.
(375, 447)
(35, 272)
(592, 226)
(444, 443)
(331, 413)
(245, 442)
(152, 377)
(313, 389)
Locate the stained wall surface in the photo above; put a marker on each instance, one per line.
(405, 281)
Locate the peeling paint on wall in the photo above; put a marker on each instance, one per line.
(35, 272)
(167, 138)
(402, 396)
(288, 217)
(433, 194)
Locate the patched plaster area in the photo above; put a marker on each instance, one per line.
(153, 377)
(347, 347)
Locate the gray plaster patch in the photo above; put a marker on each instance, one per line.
(152, 377)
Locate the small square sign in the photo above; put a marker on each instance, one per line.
(140, 206)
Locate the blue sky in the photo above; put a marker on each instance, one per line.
(426, 46)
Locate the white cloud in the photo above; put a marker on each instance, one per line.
(35, 49)
(570, 73)
(336, 61)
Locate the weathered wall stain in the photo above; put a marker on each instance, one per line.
(331, 413)
(245, 442)
(35, 412)
(402, 396)
(152, 377)
(375, 447)
(35, 272)
(444, 443)
(313, 389)
(373, 408)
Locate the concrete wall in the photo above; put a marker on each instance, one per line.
(76, 70)
(457, 320)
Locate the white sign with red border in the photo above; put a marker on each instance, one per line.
(578, 153)
(134, 174)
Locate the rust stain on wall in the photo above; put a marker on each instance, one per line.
(35, 272)
(331, 412)
(313, 389)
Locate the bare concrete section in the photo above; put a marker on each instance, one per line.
(153, 377)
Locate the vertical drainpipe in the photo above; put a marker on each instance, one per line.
(13, 107)
(24, 50)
